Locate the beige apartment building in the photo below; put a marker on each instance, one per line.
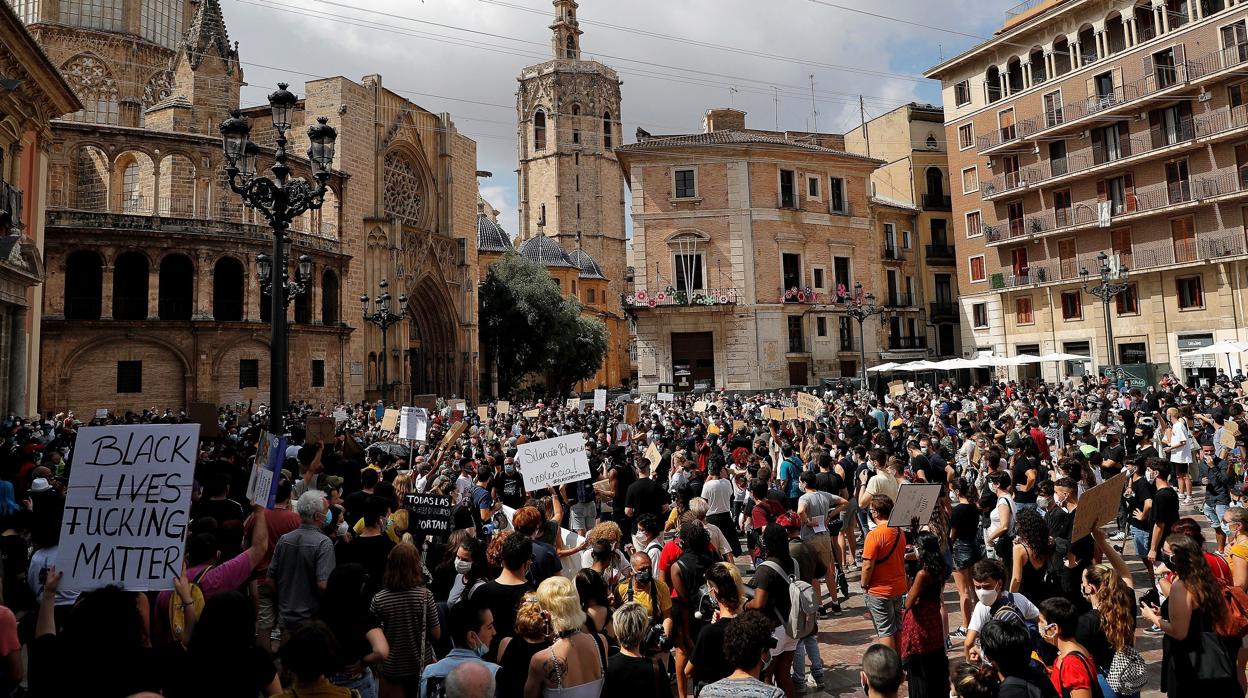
(740, 239)
(1089, 127)
(911, 141)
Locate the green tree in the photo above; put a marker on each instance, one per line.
(529, 328)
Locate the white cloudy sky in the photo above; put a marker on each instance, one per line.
(463, 56)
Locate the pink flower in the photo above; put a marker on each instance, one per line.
(641, 296)
(651, 303)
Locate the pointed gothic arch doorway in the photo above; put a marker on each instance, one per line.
(434, 361)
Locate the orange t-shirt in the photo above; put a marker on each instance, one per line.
(888, 575)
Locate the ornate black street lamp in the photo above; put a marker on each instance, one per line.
(384, 319)
(280, 200)
(860, 307)
(1113, 282)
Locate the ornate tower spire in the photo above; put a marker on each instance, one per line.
(207, 35)
(566, 41)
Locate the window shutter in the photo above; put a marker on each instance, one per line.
(1124, 139)
(1120, 92)
(1149, 66)
(1128, 184)
(1098, 145)
(1154, 127)
(1180, 63)
(1100, 190)
(1091, 100)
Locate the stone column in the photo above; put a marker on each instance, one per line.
(251, 295)
(1028, 79)
(1129, 29)
(17, 359)
(1161, 18)
(54, 288)
(106, 292)
(203, 287)
(153, 291)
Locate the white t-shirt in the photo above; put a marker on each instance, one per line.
(1179, 434)
(982, 615)
(718, 496)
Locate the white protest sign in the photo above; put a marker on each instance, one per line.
(340, 416)
(552, 462)
(667, 397)
(600, 400)
(101, 413)
(914, 499)
(413, 423)
(126, 509)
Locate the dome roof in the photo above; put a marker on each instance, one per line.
(546, 252)
(589, 268)
(490, 236)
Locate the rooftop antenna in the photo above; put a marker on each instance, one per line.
(776, 99)
(732, 90)
(814, 109)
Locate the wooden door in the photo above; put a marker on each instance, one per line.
(1066, 257)
(1183, 234)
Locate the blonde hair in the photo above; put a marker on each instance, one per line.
(698, 507)
(608, 530)
(559, 599)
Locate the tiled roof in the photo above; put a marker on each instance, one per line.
(881, 201)
(589, 268)
(546, 252)
(731, 137)
(490, 236)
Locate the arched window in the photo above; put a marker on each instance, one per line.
(607, 131)
(84, 276)
(177, 283)
(227, 290)
(576, 123)
(97, 90)
(539, 130)
(935, 182)
(571, 46)
(130, 287)
(303, 304)
(992, 83)
(329, 298)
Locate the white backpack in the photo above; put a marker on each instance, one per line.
(802, 619)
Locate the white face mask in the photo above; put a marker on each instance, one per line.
(463, 566)
(987, 596)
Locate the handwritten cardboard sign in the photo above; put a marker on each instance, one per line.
(429, 514)
(790, 413)
(413, 423)
(340, 416)
(573, 403)
(600, 400)
(531, 414)
(503, 407)
(553, 462)
(320, 429)
(126, 510)
(1098, 506)
(483, 413)
(632, 412)
(699, 406)
(809, 406)
(653, 456)
(737, 425)
(455, 432)
(667, 397)
(390, 420)
(426, 402)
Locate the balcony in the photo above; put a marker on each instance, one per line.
(1207, 247)
(941, 255)
(896, 343)
(670, 297)
(807, 295)
(943, 311)
(892, 253)
(132, 224)
(937, 202)
(10, 208)
(1164, 79)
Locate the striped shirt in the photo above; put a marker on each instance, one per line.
(407, 617)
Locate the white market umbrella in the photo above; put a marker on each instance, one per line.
(955, 364)
(1223, 347)
(1021, 359)
(1063, 356)
(889, 366)
(917, 366)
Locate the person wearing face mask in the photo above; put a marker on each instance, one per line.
(509, 486)
(1108, 628)
(1139, 496)
(502, 594)
(645, 588)
(991, 599)
(1235, 520)
(472, 630)
(1073, 673)
(748, 643)
(707, 664)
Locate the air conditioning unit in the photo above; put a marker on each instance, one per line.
(1035, 150)
(1204, 96)
(1085, 134)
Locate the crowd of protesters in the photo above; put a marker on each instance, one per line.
(698, 560)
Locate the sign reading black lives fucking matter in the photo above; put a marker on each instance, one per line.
(429, 513)
(126, 509)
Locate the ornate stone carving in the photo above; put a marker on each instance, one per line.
(159, 86)
(90, 78)
(404, 190)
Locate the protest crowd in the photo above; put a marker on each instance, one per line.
(664, 545)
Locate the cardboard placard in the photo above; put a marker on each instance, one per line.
(429, 514)
(454, 433)
(101, 413)
(531, 414)
(699, 406)
(600, 400)
(653, 456)
(553, 462)
(461, 405)
(667, 397)
(390, 420)
(426, 402)
(414, 423)
(897, 390)
(483, 413)
(116, 531)
(573, 403)
(1227, 438)
(503, 407)
(789, 413)
(320, 429)
(270, 457)
(772, 413)
(205, 414)
(623, 433)
(915, 499)
(1097, 506)
(809, 407)
(340, 415)
(632, 412)
(737, 425)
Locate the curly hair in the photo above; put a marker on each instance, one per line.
(494, 551)
(531, 621)
(608, 530)
(746, 637)
(1034, 532)
(1188, 561)
(1114, 602)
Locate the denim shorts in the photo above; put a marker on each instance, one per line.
(966, 554)
(1141, 538)
(1214, 513)
(885, 614)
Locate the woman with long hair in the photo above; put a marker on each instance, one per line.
(596, 602)
(1236, 522)
(360, 641)
(922, 638)
(1194, 607)
(469, 565)
(409, 617)
(1033, 551)
(575, 663)
(771, 596)
(224, 635)
(967, 548)
(1109, 628)
(442, 576)
(1000, 535)
(707, 663)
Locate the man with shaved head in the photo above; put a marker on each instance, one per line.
(645, 588)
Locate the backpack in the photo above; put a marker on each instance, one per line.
(801, 621)
(1005, 611)
(177, 614)
(1235, 625)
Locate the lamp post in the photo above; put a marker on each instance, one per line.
(1113, 282)
(383, 319)
(279, 200)
(860, 307)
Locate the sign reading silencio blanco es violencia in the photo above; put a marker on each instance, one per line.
(126, 509)
(553, 462)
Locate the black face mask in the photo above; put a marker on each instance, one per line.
(644, 576)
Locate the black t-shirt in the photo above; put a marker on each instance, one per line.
(1019, 476)
(502, 600)
(624, 478)
(777, 587)
(830, 483)
(1090, 635)
(353, 505)
(964, 522)
(510, 489)
(371, 552)
(629, 677)
(1165, 510)
(645, 497)
(922, 464)
(1059, 522)
(219, 674)
(1017, 687)
(545, 563)
(709, 662)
